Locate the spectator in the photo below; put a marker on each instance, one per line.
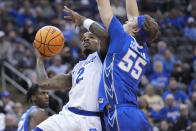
(176, 19)
(194, 59)
(18, 110)
(16, 53)
(179, 74)
(192, 107)
(167, 5)
(5, 46)
(190, 30)
(161, 46)
(6, 102)
(2, 120)
(159, 78)
(26, 15)
(154, 100)
(170, 112)
(57, 66)
(192, 87)
(179, 95)
(29, 33)
(28, 60)
(149, 112)
(11, 123)
(164, 126)
(118, 9)
(193, 126)
(46, 10)
(66, 55)
(169, 61)
(149, 6)
(183, 123)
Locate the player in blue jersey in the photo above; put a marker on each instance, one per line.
(125, 62)
(36, 114)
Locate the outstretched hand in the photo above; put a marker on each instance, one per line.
(74, 16)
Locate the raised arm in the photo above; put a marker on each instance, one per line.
(59, 82)
(36, 117)
(41, 72)
(132, 8)
(94, 28)
(105, 11)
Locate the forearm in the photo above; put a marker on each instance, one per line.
(99, 31)
(132, 8)
(60, 82)
(105, 12)
(41, 72)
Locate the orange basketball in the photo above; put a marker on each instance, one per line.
(49, 41)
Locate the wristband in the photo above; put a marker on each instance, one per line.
(87, 23)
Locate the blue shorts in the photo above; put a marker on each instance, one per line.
(126, 117)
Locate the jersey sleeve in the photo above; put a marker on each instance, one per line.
(184, 96)
(117, 36)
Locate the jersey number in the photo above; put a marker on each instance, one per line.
(80, 72)
(126, 64)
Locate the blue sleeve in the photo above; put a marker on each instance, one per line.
(155, 114)
(117, 36)
(165, 95)
(162, 113)
(190, 88)
(184, 96)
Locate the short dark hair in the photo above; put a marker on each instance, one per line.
(32, 91)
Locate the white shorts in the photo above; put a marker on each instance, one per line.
(68, 121)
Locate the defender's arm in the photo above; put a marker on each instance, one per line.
(132, 8)
(105, 11)
(36, 117)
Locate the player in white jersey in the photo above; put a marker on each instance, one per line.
(81, 112)
(36, 114)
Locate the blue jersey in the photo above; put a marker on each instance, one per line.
(179, 96)
(124, 65)
(172, 114)
(23, 124)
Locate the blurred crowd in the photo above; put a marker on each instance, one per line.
(167, 92)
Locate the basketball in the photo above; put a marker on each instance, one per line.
(49, 41)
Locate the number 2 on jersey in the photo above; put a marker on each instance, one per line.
(80, 72)
(126, 64)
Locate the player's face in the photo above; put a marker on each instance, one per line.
(130, 27)
(90, 44)
(42, 98)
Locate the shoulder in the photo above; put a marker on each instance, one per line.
(38, 112)
(181, 92)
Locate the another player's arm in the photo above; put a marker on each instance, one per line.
(105, 12)
(102, 34)
(36, 117)
(94, 28)
(132, 8)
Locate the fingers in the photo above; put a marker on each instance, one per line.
(67, 10)
(68, 17)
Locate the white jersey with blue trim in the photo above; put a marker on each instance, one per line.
(86, 76)
(23, 123)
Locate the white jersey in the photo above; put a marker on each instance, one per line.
(86, 76)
